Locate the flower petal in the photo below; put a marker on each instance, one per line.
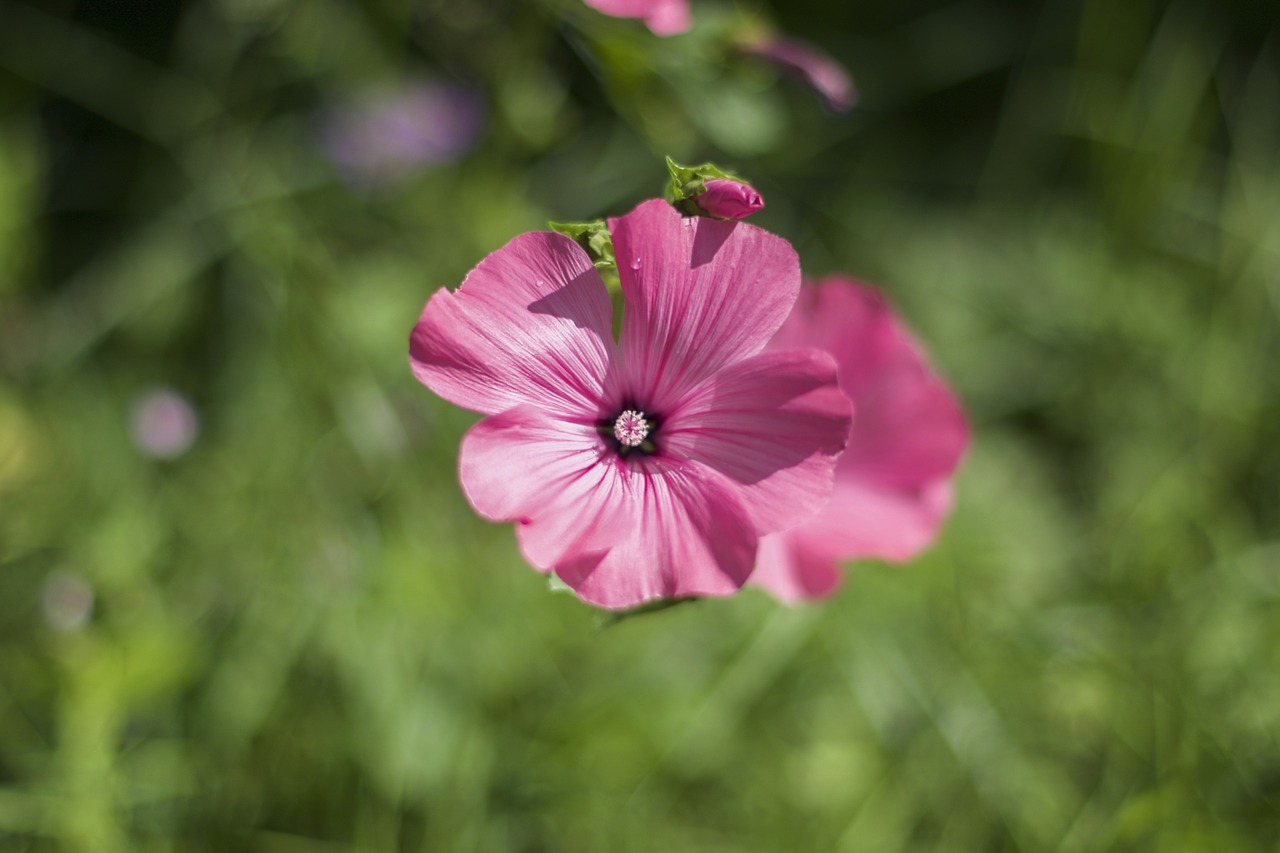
(690, 537)
(863, 520)
(808, 62)
(555, 478)
(909, 431)
(859, 521)
(792, 571)
(852, 322)
(662, 17)
(773, 424)
(909, 428)
(531, 323)
(892, 487)
(700, 294)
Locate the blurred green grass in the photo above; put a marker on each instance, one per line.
(302, 638)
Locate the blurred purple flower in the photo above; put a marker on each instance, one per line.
(67, 601)
(384, 136)
(810, 63)
(164, 424)
(662, 17)
(726, 199)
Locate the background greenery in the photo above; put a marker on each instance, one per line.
(302, 639)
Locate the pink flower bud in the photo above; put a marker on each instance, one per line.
(726, 199)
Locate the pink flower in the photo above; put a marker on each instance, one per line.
(893, 481)
(648, 467)
(662, 17)
(808, 62)
(725, 199)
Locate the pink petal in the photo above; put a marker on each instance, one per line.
(690, 537)
(852, 322)
(774, 425)
(662, 17)
(793, 572)
(808, 62)
(892, 488)
(859, 521)
(700, 294)
(531, 323)
(909, 428)
(909, 431)
(668, 17)
(555, 478)
(866, 521)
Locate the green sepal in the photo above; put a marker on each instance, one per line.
(556, 585)
(594, 237)
(689, 181)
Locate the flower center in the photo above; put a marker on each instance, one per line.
(631, 428)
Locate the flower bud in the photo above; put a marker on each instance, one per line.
(728, 199)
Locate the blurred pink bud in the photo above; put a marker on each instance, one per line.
(164, 424)
(662, 17)
(726, 199)
(67, 601)
(808, 62)
(382, 137)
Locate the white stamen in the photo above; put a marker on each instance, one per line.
(630, 428)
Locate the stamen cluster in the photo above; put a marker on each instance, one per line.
(631, 429)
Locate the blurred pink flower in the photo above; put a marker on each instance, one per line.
(808, 62)
(163, 424)
(648, 467)
(384, 136)
(726, 199)
(662, 17)
(893, 482)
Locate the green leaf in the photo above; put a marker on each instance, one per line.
(594, 237)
